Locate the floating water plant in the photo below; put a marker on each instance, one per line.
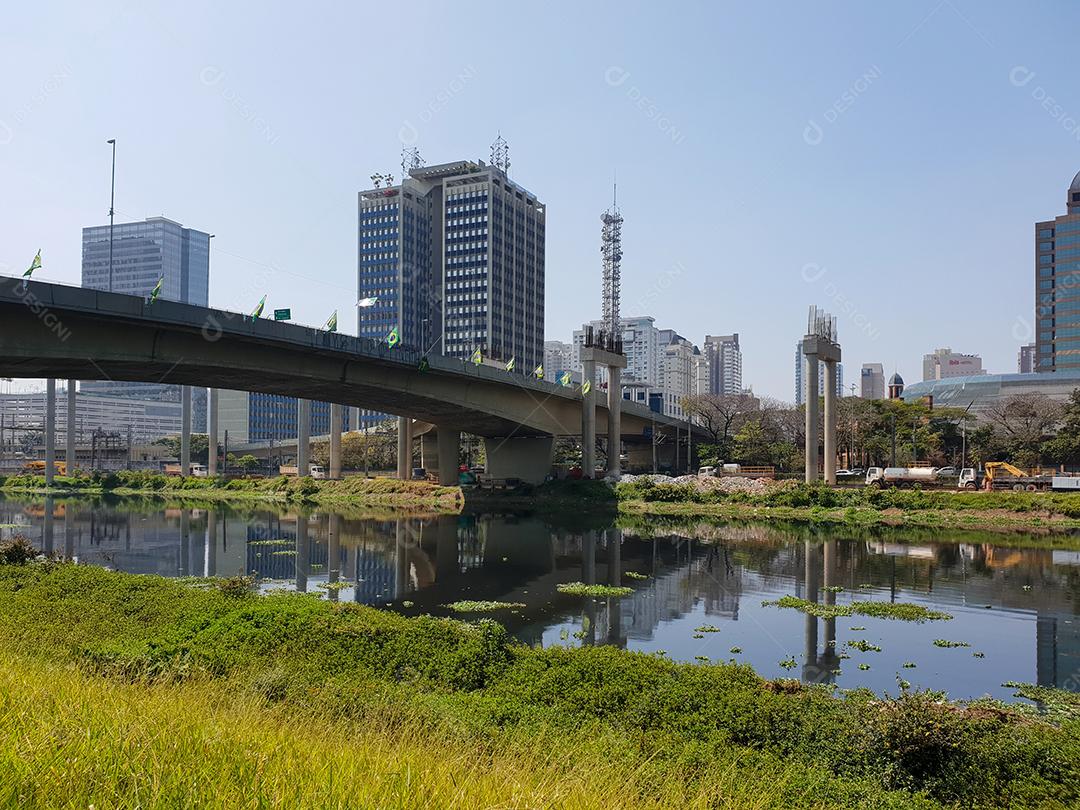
(864, 646)
(601, 591)
(635, 575)
(902, 611)
(979, 654)
(699, 635)
(864, 666)
(289, 553)
(789, 662)
(909, 665)
(735, 650)
(407, 604)
(707, 628)
(832, 589)
(270, 542)
(470, 606)
(940, 642)
(336, 586)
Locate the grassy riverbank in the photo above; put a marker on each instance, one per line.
(158, 690)
(354, 490)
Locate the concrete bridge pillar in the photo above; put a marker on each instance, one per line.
(525, 457)
(185, 430)
(830, 421)
(810, 373)
(449, 450)
(69, 432)
(303, 437)
(404, 448)
(588, 422)
(614, 465)
(212, 431)
(50, 432)
(335, 440)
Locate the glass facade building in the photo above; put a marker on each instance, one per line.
(143, 252)
(1057, 287)
(454, 257)
(258, 417)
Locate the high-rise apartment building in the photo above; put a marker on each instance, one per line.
(142, 253)
(725, 364)
(559, 357)
(1057, 287)
(642, 345)
(872, 379)
(1025, 358)
(800, 373)
(454, 258)
(945, 363)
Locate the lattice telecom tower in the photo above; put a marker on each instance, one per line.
(500, 154)
(410, 159)
(611, 250)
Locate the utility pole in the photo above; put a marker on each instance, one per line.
(112, 209)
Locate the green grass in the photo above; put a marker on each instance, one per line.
(353, 489)
(228, 694)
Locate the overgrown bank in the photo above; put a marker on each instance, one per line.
(864, 505)
(699, 735)
(351, 490)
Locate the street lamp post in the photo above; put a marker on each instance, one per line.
(112, 209)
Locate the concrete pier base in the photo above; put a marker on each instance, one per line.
(588, 422)
(303, 437)
(830, 422)
(185, 430)
(524, 457)
(812, 416)
(50, 432)
(335, 440)
(404, 448)
(69, 430)
(212, 431)
(449, 450)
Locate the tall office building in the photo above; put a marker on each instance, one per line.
(454, 258)
(945, 363)
(800, 373)
(1025, 359)
(725, 364)
(258, 417)
(1057, 286)
(872, 379)
(142, 253)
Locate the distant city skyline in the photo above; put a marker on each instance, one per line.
(872, 139)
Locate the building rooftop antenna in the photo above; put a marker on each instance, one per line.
(410, 159)
(500, 154)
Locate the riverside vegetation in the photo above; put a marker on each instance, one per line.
(357, 489)
(125, 690)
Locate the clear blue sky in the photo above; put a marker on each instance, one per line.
(910, 206)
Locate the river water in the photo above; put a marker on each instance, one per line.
(1016, 605)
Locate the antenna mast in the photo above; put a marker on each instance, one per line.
(410, 159)
(611, 250)
(500, 154)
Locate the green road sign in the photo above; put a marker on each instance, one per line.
(282, 314)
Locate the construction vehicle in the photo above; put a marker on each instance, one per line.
(1003, 475)
(38, 467)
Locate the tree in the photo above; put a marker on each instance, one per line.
(721, 416)
(1064, 448)
(1024, 422)
(247, 463)
(200, 446)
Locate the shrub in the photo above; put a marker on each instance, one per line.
(17, 551)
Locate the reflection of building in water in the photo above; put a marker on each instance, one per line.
(700, 575)
(1057, 651)
(374, 574)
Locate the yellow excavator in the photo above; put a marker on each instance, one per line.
(38, 467)
(1003, 475)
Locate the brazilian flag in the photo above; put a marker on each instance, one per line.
(538, 372)
(564, 378)
(393, 338)
(331, 323)
(34, 265)
(154, 293)
(477, 357)
(510, 364)
(255, 313)
(424, 365)
(586, 387)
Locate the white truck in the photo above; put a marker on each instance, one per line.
(901, 476)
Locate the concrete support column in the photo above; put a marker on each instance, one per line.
(614, 467)
(50, 431)
(449, 449)
(810, 372)
(335, 440)
(303, 437)
(588, 422)
(404, 448)
(830, 421)
(212, 431)
(69, 433)
(527, 458)
(185, 430)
